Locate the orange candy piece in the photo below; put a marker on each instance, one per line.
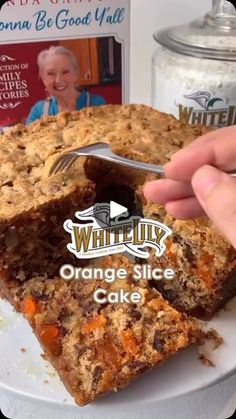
(29, 306)
(130, 342)
(203, 267)
(48, 334)
(156, 304)
(108, 353)
(93, 324)
(169, 253)
(206, 258)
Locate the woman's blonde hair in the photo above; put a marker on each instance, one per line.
(56, 50)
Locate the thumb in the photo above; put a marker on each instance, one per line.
(216, 192)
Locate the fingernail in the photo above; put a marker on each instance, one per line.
(205, 180)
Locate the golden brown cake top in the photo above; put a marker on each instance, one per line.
(27, 154)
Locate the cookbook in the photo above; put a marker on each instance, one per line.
(96, 33)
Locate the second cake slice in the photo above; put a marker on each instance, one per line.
(98, 348)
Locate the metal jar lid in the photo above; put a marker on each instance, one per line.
(212, 37)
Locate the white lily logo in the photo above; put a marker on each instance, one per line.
(204, 99)
(106, 235)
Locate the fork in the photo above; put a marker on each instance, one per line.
(103, 151)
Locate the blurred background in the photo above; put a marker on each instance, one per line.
(100, 58)
(147, 17)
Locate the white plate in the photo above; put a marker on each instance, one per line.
(28, 375)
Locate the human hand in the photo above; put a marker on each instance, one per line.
(195, 184)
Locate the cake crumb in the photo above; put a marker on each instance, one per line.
(51, 373)
(23, 350)
(46, 382)
(215, 338)
(205, 361)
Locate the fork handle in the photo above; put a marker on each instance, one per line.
(147, 167)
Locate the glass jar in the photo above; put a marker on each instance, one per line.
(194, 68)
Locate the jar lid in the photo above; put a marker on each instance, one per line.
(212, 37)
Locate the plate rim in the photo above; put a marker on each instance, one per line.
(127, 405)
(95, 405)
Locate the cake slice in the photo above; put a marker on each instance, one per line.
(34, 206)
(32, 239)
(99, 348)
(203, 261)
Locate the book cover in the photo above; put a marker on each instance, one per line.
(92, 37)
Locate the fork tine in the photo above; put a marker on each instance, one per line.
(70, 161)
(65, 161)
(54, 167)
(57, 165)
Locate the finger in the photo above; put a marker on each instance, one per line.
(219, 151)
(216, 193)
(165, 190)
(185, 209)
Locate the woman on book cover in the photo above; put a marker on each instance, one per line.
(59, 71)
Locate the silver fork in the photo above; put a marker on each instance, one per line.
(103, 151)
